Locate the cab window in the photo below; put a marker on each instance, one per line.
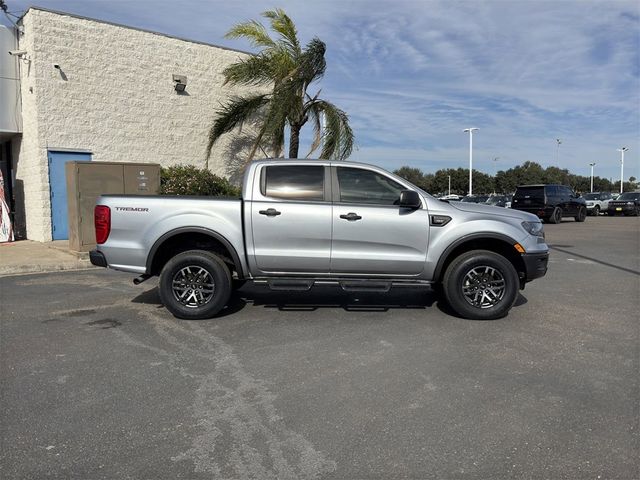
(365, 186)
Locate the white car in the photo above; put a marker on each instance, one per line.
(451, 197)
(597, 202)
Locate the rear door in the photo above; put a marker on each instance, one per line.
(371, 233)
(291, 219)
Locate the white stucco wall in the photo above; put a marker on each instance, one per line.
(114, 96)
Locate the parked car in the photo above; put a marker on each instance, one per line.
(302, 223)
(627, 204)
(550, 202)
(597, 202)
(497, 200)
(475, 198)
(452, 197)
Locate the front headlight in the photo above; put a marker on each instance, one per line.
(534, 228)
(629, 203)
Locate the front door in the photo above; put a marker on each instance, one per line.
(291, 220)
(371, 233)
(58, 190)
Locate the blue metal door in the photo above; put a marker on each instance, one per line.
(58, 186)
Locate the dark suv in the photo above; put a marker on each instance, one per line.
(628, 204)
(550, 202)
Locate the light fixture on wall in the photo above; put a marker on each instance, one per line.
(20, 54)
(179, 83)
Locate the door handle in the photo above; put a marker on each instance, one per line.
(270, 212)
(351, 217)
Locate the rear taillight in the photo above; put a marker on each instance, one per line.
(102, 221)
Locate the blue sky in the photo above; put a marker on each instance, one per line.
(413, 74)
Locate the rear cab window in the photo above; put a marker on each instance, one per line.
(294, 182)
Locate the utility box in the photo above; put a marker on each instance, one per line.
(86, 181)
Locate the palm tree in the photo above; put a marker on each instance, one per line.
(289, 69)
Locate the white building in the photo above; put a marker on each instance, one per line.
(79, 88)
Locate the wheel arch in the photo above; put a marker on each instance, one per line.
(191, 238)
(493, 242)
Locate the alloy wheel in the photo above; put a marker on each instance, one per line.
(483, 286)
(193, 286)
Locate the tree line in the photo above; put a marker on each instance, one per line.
(506, 181)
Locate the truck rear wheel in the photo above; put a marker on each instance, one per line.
(481, 285)
(195, 284)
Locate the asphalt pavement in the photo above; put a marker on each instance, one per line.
(99, 381)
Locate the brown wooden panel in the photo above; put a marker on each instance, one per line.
(141, 179)
(95, 179)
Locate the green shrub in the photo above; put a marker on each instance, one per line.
(190, 180)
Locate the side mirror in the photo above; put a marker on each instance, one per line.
(410, 199)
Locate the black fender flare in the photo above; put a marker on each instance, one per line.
(468, 238)
(213, 234)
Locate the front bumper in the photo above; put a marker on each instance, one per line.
(535, 265)
(613, 209)
(97, 258)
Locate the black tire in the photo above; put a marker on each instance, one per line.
(582, 214)
(596, 211)
(206, 296)
(472, 274)
(556, 215)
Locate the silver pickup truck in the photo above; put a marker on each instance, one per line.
(302, 223)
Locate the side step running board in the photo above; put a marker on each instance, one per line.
(291, 285)
(365, 286)
(347, 284)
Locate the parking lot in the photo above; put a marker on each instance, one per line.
(98, 380)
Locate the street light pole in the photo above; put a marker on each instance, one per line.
(470, 130)
(592, 165)
(495, 172)
(558, 142)
(622, 150)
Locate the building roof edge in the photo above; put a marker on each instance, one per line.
(81, 17)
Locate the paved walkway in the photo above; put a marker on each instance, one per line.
(27, 256)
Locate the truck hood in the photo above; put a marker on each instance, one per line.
(492, 210)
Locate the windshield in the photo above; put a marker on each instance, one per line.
(629, 196)
(494, 200)
(591, 196)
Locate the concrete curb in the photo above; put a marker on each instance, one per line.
(26, 257)
(31, 269)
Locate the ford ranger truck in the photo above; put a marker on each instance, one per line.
(301, 223)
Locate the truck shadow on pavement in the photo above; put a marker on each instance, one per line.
(325, 298)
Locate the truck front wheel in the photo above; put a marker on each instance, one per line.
(195, 284)
(481, 285)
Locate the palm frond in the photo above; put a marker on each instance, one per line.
(337, 137)
(312, 61)
(315, 115)
(232, 115)
(254, 32)
(284, 26)
(254, 70)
